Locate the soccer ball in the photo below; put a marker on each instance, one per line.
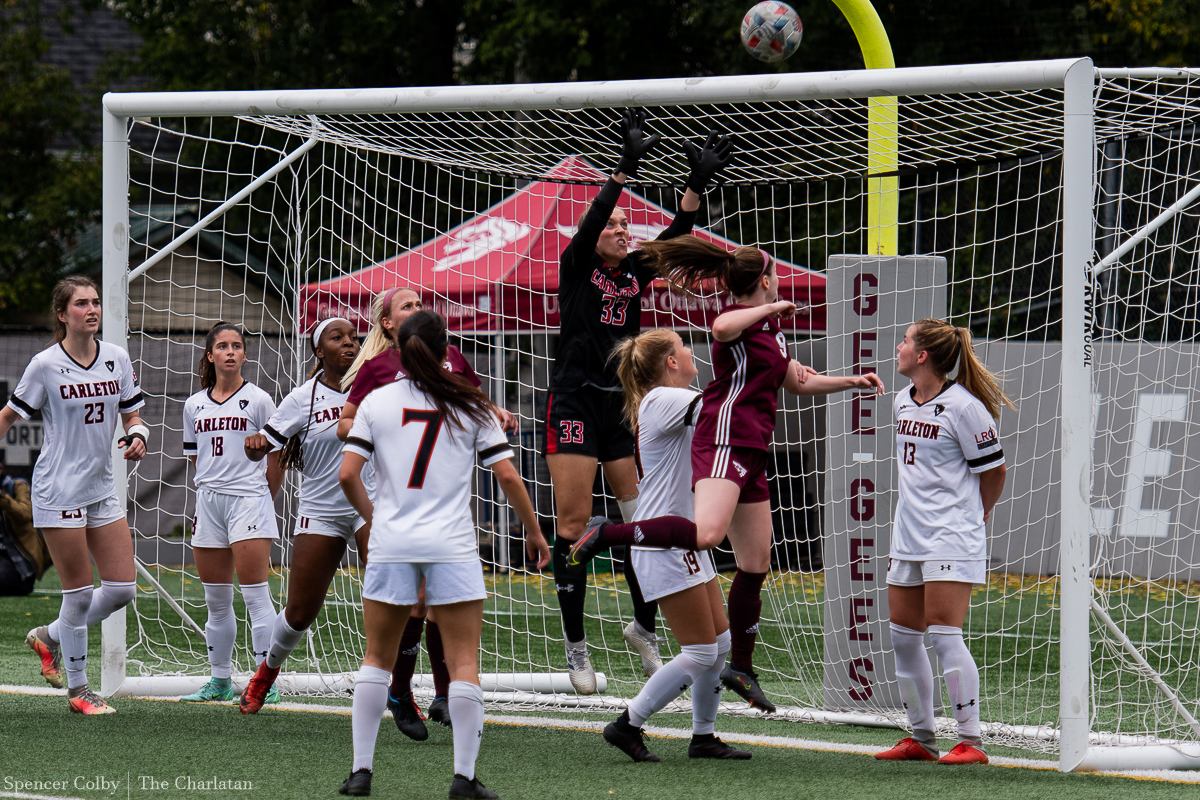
(771, 31)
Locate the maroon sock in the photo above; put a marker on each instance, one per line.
(406, 660)
(656, 532)
(745, 607)
(437, 661)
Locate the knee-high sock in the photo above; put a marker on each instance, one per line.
(110, 597)
(72, 628)
(370, 701)
(221, 628)
(706, 691)
(915, 674)
(466, 714)
(745, 608)
(284, 639)
(406, 659)
(962, 679)
(437, 660)
(656, 532)
(644, 611)
(571, 591)
(671, 681)
(262, 617)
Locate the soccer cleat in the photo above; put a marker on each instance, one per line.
(358, 784)
(646, 647)
(964, 753)
(907, 749)
(745, 685)
(89, 703)
(408, 717)
(257, 691)
(217, 690)
(439, 712)
(586, 546)
(622, 735)
(51, 656)
(470, 787)
(579, 664)
(709, 746)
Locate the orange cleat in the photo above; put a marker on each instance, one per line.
(90, 704)
(256, 691)
(964, 753)
(907, 749)
(51, 657)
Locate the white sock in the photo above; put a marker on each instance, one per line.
(962, 679)
(628, 509)
(706, 691)
(72, 625)
(671, 680)
(915, 674)
(370, 701)
(466, 714)
(262, 617)
(110, 597)
(221, 628)
(284, 639)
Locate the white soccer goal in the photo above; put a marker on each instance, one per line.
(1046, 205)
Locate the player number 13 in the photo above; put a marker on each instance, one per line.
(908, 453)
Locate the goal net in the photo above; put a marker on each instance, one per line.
(1006, 186)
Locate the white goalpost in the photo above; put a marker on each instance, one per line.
(1045, 205)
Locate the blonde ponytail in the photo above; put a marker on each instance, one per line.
(947, 346)
(378, 338)
(641, 364)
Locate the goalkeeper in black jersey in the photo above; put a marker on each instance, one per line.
(600, 288)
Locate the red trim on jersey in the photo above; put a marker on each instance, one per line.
(551, 436)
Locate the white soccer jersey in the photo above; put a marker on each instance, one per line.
(215, 433)
(663, 455)
(80, 406)
(423, 469)
(312, 410)
(941, 447)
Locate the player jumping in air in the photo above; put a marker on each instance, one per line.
(235, 517)
(952, 472)
(81, 385)
(424, 432)
(600, 288)
(304, 429)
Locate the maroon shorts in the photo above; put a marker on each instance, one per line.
(745, 466)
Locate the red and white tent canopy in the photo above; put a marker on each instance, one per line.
(499, 271)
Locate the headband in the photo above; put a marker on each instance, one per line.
(766, 262)
(388, 296)
(321, 326)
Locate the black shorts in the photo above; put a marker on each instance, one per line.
(588, 422)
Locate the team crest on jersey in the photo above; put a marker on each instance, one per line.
(243, 403)
(112, 365)
(938, 409)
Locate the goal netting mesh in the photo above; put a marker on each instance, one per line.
(978, 177)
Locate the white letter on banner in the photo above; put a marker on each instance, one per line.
(1144, 463)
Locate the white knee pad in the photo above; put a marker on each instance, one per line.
(694, 659)
(112, 596)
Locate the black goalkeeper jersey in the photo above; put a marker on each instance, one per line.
(599, 306)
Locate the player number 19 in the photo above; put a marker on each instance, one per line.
(909, 453)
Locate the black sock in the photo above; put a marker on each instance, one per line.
(571, 590)
(644, 612)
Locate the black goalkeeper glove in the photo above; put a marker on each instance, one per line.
(716, 155)
(636, 143)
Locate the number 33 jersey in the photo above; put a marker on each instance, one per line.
(80, 407)
(941, 447)
(215, 433)
(424, 466)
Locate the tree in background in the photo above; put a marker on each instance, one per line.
(49, 172)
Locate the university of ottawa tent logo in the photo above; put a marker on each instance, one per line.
(475, 240)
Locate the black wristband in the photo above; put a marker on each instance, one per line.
(128, 438)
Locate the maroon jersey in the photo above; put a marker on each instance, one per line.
(386, 368)
(739, 403)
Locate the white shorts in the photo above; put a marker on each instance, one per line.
(665, 572)
(340, 527)
(396, 583)
(918, 573)
(93, 515)
(222, 519)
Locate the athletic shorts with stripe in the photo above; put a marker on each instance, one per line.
(745, 466)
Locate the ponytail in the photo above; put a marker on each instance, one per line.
(422, 342)
(378, 338)
(687, 262)
(641, 363)
(947, 346)
(206, 369)
(291, 456)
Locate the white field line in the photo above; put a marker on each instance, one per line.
(790, 742)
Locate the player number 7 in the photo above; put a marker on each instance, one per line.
(432, 420)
